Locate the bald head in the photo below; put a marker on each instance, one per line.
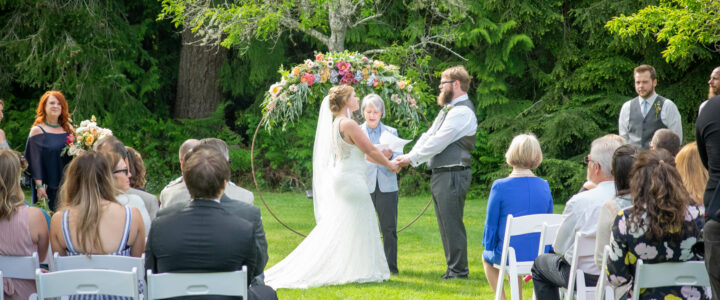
(186, 147)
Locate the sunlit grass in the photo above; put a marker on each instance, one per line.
(420, 253)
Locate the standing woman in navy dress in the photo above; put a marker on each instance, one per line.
(48, 136)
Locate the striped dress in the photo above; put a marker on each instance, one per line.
(122, 250)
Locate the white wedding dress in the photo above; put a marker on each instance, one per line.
(345, 244)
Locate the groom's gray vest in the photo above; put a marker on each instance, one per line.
(458, 152)
(645, 127)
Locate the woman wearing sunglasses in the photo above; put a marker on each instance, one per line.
(121, 175)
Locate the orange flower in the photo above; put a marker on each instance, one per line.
(319, 57)
(401, 84)
(296, 71)
(89, 140)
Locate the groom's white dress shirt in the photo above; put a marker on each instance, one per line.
(459, 121)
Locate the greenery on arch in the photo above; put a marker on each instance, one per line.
(310, 81)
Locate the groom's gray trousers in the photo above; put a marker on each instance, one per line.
(449, 186)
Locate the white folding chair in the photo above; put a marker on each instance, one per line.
(19, 267)
(547, 237)
(86, 282)
(508, 261)
(692, 273)
(584, 246)
(602, 289)
(1, 287)
(102, 262)
(166, 285)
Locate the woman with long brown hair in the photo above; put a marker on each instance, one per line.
(662, 225)
(90, 220)
(48, 136)
(693, 173)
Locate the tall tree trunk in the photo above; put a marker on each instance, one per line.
(338, 27)
(198, 93)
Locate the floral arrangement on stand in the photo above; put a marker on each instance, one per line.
(311, 80)
(85, 137)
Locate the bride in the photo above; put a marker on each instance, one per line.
(345, 244)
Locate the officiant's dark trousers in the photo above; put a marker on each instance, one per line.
(386, 206)
(449, 187)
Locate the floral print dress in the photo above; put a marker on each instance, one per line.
(630, 244)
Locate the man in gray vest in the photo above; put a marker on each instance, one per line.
(446, 148)
(642, 115)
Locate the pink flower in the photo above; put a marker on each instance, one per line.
(364, 59)
(343, 67)
(646, 251)
(69, 139)
(622, 228)
(401, 84)
(308, 78)
(348, 78)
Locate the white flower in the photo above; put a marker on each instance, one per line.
(691, 213)
(668, 252)
(293, 88)
(275, 90)
(309, 63)
(690, 293)
(685, 247)
(646, 251)
(616, 251)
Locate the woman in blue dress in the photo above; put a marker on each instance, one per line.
(521, 193)
(48, 136)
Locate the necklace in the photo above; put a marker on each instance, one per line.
(521, 172)
(52, 125)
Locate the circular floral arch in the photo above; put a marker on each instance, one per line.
(310, 81)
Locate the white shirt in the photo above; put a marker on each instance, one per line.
(137, 202)
(460, 121)
(669, 115)
(581, 215)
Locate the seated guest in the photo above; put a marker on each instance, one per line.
(666, 139)
(522, 193)
(589, 185)
(551, 271)
(176, 189)
(663, 225)
(137, 168)
(204, 237)
(22, 228)
(113, 144)
(121, 176)
(622, 162)
(178, 192)
(90, 220)
(693, 173)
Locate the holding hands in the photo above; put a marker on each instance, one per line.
(402, 160)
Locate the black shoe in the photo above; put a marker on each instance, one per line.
(448, 277)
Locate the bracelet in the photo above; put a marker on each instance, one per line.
(41, 186)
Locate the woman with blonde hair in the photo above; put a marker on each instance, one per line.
(23, 229)
(693, 173)
(90, 220)
(520, 194)
(48, 136)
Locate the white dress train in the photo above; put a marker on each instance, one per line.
(345, 245)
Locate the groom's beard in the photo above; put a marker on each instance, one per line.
(445, 98)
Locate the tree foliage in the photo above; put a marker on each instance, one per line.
(689, 28)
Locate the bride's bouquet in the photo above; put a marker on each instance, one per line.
(85, 137)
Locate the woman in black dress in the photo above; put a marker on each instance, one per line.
(48, 136)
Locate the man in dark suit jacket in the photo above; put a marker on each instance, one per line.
(204, 237)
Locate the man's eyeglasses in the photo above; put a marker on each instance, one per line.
(121, 171)
(447, 81)
(587, 159)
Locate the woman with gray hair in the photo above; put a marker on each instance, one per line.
(382, 183)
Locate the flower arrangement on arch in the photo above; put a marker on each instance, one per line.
(85, 137)
(310, 81)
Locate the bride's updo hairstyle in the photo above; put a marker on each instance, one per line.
(339, 96)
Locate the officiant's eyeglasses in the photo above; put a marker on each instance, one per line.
(121, 171)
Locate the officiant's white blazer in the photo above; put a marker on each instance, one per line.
(385, 179)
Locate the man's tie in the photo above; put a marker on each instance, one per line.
(644, 108)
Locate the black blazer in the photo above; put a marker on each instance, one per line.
(202, 237)
(248, 212)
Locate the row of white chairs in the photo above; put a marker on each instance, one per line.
(691, 273)
(117, 275)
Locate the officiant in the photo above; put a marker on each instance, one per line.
(382, 183)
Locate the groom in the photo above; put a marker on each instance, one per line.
(446, 148)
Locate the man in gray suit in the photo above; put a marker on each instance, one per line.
(641, 116)
(176, 191)
(382, 183)
(446, 147)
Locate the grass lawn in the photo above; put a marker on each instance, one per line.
(420, 253)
